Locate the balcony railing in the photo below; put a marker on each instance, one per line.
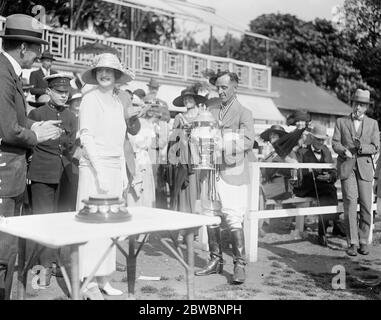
(147, 59)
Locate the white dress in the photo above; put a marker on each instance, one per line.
(102, 131)
(143, 143)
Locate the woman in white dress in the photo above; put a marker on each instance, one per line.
(102, 170)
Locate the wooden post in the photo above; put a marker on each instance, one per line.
(251, 217)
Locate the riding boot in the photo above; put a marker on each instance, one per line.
(238, 248)
(215, 264)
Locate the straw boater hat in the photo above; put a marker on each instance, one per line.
(153, 83)
(319, 131)
(108, 60)
(362, 96)
(75, 95)
(47, 55)
(279, 130)
(42, 100)
(23, 28)
(179, 101)
(298, 115)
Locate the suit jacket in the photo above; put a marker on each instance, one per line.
(36, 79)
(234, 167)
(51, 157)
(15, 134)
(343, 139)
(325, 189)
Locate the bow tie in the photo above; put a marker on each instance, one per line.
(317, 151)
(358, 118)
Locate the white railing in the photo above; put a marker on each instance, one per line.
(254, 213)
(147, 59)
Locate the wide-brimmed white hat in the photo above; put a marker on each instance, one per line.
(108, 60)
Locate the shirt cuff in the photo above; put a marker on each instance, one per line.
(34, 125)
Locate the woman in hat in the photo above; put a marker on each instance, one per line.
(102, 165)
(184, 185)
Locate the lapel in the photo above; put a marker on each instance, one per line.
(366, 124)
(311, 154)
(15, 78)
(351, 126)
(230, 115)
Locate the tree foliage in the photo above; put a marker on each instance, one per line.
(108, 19)
(363, 27)
(309, 51)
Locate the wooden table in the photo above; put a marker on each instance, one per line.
(62, 229)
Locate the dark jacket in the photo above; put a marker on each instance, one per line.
(15, 134)
(51, 157)
(36, 79)
(324, 189)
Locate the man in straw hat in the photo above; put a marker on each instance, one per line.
(320, 184)
(233, 184)
(22, 39)
(355, 139)
(37, 77)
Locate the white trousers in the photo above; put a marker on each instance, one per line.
(234, 202)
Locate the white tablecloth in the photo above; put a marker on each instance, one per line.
(61, 229)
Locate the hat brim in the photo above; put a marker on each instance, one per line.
(362, 101)
(265, 135)
(319, 136)
(28, 87)
(179, 101)
(89, 76)
(36, 104)
(25, 38)
(48, 58)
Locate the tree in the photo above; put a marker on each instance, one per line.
(108, 19)
(363, 27)
(309, 51)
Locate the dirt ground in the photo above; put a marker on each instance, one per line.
(289, 267)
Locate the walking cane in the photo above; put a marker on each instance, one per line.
(318, 202)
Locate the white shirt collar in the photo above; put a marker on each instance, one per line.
(16, 66)
(45, 71)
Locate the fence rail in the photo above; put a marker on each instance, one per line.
(254, 213)
(151, 60)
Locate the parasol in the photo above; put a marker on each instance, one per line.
(96, 48)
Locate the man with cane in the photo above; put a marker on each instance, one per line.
(320, 184)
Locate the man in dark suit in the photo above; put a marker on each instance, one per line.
(22, 41)
(355, 139)
(237, 128)
(51, 159)
(320, 183)
(37, 77)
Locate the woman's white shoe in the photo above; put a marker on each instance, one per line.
(92, 292)
(110, 291)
